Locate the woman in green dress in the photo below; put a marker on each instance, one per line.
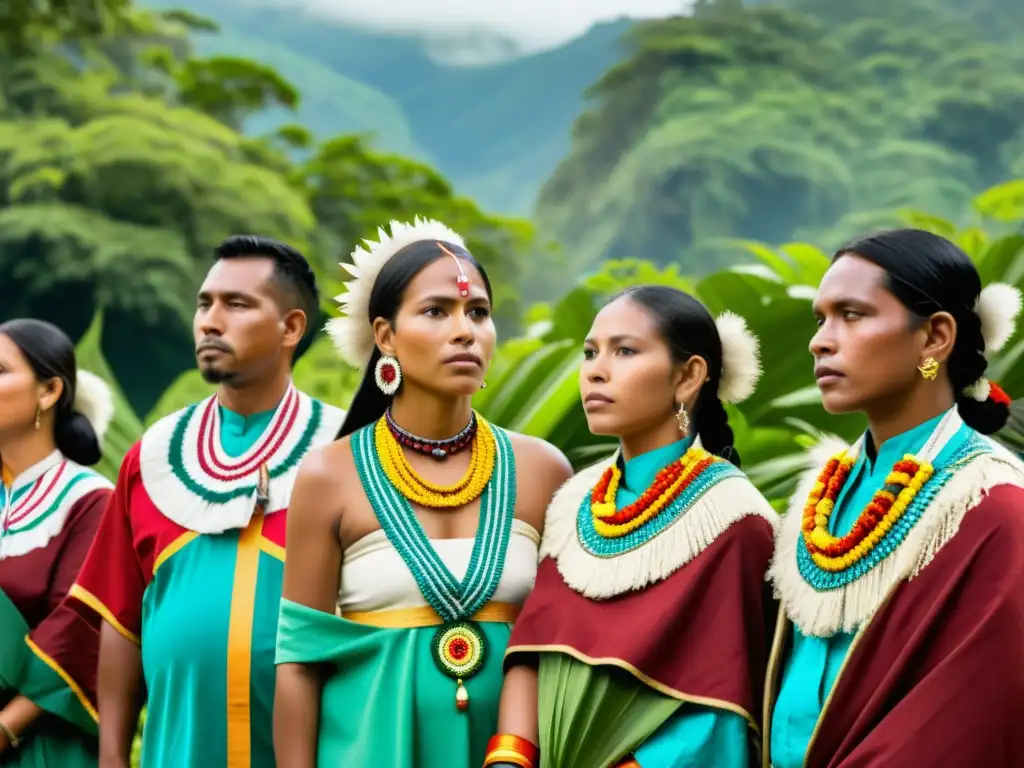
(412, 541)
(52, 418)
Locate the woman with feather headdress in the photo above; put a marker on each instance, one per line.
(412, 540)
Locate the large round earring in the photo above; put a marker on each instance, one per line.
(929, 369)
(683, 420)
(388, 374)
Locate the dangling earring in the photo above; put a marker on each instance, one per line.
(929, 369)
(683, 420)
(39, 415)
(388, 374)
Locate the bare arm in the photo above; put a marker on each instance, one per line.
(16, 717)
(517, 712)
(547, 469)
(118, 695)
(312, 572)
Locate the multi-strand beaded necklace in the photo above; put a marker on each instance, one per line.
(392, 485)
(418, 489)
(829, 562)
(606, 530)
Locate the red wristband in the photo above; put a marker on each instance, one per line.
(507, 748)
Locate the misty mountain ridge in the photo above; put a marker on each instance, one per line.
(493, 118)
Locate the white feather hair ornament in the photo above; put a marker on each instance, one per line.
(997, 308)
(352, 333)
(95, 401)
(741, 362)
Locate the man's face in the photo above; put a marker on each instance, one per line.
(240, 328)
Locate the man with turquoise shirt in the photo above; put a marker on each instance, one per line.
(900, 564)
(184, 577)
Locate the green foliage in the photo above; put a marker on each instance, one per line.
(772, 123)
(354, 190)
(125, 428)
(121, 167)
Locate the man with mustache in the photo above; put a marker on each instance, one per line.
(184, 577)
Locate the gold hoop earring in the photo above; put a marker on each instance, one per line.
(39, 415)
(929, 369)
(683, 420)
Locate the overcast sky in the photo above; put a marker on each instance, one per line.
(533, 23)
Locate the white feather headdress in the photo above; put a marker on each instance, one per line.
(741, 362)
(95, 401)
(997, 308)
(352, 333)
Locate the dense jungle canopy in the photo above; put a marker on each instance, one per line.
(121, 166)
(126, 155)
(794, 119)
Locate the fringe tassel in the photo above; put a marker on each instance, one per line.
(604, 577)
(823, 614)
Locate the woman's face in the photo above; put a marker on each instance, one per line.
(443, 341)
(20, 394)
(867, 348)
(628, 381)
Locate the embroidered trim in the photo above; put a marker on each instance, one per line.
(451, 599)
(981, 465)
(39, 511)
(657, 553)
(193, 482)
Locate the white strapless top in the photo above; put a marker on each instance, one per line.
(375, 578)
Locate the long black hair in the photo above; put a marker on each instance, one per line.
(688, 329)
(369, 403)
(928, 274)
(50, 354)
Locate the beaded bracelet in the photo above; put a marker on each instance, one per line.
(515, 750)
(12, 739)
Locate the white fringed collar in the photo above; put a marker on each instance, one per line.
(818, 613)
(730, 499)
(194, 483)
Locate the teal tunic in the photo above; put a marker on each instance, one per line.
(814, 663)
(684, 734)
(191, 596)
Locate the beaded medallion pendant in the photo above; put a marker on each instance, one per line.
(459, 646)
(458, 649)
(607, 531)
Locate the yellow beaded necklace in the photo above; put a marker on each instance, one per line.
(420, 491)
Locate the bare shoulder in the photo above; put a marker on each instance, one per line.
(541, 470)
(536, 455)
(324, 474)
